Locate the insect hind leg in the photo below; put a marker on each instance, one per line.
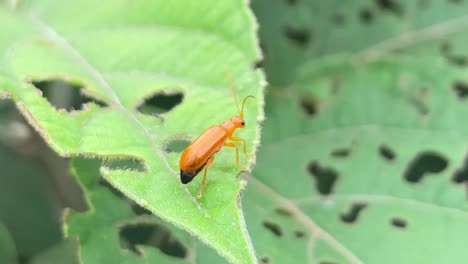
(202, 185)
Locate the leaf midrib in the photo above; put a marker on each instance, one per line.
(316, 231)
(380, 198)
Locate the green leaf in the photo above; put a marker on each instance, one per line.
(339, 160)
(295, 32)
(108, 215)
(121, 54)
(364, 158)
(7, 247)
(122, 233)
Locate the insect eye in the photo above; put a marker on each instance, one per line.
(243, 123)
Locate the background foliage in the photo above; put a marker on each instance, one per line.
(363, 154)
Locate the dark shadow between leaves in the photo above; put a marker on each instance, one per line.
(104, 183)
(139, 210)
(133, 235)
(258, 64)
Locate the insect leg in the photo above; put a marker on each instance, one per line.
(244, 144)
(241, 140)
(232, 145)
(208, 164)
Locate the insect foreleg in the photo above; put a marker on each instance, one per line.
(241, 140)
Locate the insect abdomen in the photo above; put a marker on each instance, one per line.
(195, 156)
(186, 177)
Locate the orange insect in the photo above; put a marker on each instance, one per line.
(200, 153)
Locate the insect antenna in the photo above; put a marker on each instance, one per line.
(243, 104)
(231, 85)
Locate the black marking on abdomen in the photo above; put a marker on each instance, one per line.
(187, 176)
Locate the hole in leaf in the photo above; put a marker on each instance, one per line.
(461, 89)
(291, 2)
(325, 178)
(390, 6)
(339, 19)
(398, 222)
(423, 4)
(328, 262)
(445, 48)
(273, 227)
(353, 213)
(366, 16)
(283, 211)
(264, 260)
(176, 145)
(386, 152)
(299, 37)
(64, 95)
(461, 175)
(132, 235)
(309, 105)
(457, 60)
(299, 234)
(126, 164)
(161, 102)
(418, 103)
(424, 163)
(335, 85)
(341, 153)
